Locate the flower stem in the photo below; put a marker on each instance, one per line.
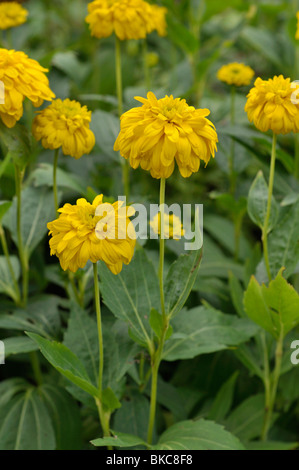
(156, 357)
(267, 218)
(56, 154)
(104, 416)
(272, 387)
(36, 368)
(99, 324)
(9, 265)
(119, 90)
(19, 174)
(145, 65)
(232, 174)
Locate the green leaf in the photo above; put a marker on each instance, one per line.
(132, 417)
(283, 242)
(6, 280)
(19, 345)
(246, 420)
(263, 42)
(119, 439)
(257, 203)
(43, 176)
(65, 415)
(237, 294)
(11, 387)
(137, 293)
(110, 400)
(37, 210)
(271, 445)
(4, 206)
(17, 141)
(197, 435)
(41, 316)
(274, 308)
(179, 281)
(156, 323)
(25, 423)
(181, 36)
(65, 362)
(106, 129)
(224, 399)
(204, 330)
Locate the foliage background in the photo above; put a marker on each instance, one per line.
(218, 385)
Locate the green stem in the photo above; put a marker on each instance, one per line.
(36, 368)
(19, 174)
(99, 324)
(232, 175)
(145, 65)
(119, 90)
(104, 416)
(267, 218)
(156, 357)
(56, 154)
(162, 244)
(273, 387)
(9, 265)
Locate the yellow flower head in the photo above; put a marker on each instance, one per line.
(97, 231)
(128, 19)
(12, 14)
(22, 78)
(158, 19)
(271, 104)
(65, 124)
(163, 131)
(173, 228)
(235, 74)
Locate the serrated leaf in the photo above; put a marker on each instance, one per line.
(197, 435)
(119, 439)
(65, 362)
(37, 210)
(274, 308)
(137, 293)
(257, 203)
(204, 330)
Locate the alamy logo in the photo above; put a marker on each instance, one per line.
(2, 93)
(2, 353)
(295, 354)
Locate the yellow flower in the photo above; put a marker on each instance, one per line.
(297, 31)
(97, 231)
(235, 74)
(173, 227)
(270, 105)
(22, 78)
(12, 14)
(158, 18)
(163, 131)
(65, 124)
(128, 19)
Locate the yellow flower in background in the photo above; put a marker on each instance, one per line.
(97, 231)
(65, 124)
(173, 227)
(297, 31)
(272, 104)
(22, 78)
(235, 73)
(158, 19)
(165, 131)
(128, 19)
(12, 14)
